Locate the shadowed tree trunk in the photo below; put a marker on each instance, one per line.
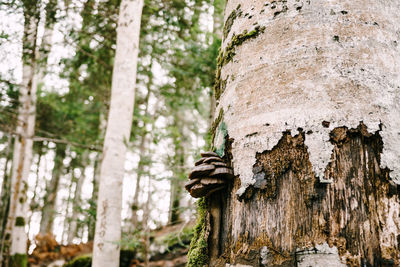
(76, 204)
(178, 172)
(307, 96)
(142, 153)
(5, 194)
(49, 207)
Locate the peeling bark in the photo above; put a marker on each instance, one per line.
(288, 212)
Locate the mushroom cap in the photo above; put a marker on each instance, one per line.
(198, 190)
(200, 161)
(213, 159)
(190, 183)
(201, 171)
(209, 154)
(222, 172)
(212, 181)
(219, 164)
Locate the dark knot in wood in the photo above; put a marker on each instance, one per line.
(209, 175)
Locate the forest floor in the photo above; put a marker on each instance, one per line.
(169, 246)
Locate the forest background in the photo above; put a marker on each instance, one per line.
(74, 47)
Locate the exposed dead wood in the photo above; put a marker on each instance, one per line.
(288, 211)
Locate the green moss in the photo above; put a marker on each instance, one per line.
(198, 252)
(238, 40)
(227, 55)
(19, 260)
(20, 221)
(80, 261)
(229, 21)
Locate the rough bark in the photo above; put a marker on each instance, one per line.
(109, 204)
(308, 100)
(49, 207)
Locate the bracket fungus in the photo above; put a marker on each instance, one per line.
(209, 175)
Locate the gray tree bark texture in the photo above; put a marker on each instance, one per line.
(308, 97)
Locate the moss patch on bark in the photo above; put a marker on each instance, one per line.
(198, 252)
(19, 260)
(229, 21)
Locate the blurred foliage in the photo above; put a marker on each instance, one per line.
(177, 239)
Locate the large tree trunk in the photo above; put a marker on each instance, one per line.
(308, 97)
(109, 204)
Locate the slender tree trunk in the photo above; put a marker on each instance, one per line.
(76, 204)
(67, 221)
(140, 169)
(22, 155)
(142, 153)
(109, 204)
(146, 228)
(179, 174)
(49, 207)
(309, 119)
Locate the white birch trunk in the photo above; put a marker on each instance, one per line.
(109, 204)
(22, 157)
